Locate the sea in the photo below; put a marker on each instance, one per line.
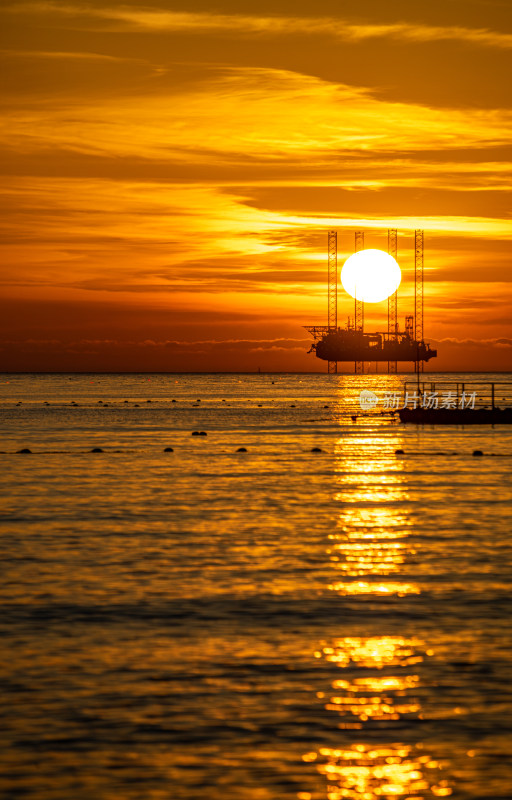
(256, 590)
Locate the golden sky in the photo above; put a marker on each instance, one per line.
(170, 172)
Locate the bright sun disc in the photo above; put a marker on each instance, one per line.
(370, 275)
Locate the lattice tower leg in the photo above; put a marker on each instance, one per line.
(359, 304)
(418, 289)
(332, 290)
(393, 299)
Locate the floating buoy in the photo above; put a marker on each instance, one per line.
(353, 418)
(96, 450)
(168, 450)
(292, 406)
(316, 450)
(136, 405)
(241, 450)
(148, 401)
(173, 401)
(399, 452)
(25, 450)
(477, 452)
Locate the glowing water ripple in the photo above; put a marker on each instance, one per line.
(371, 552)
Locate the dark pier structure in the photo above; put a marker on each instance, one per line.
(352, 343)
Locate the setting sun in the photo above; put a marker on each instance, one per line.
(370, 275)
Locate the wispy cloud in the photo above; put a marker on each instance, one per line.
(145, 19)
(63, 55)
(175, 344)
(498, 342)
(265, 113)
(326, 26)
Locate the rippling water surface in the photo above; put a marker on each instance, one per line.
(279, 623)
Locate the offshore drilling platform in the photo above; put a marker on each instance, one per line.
(352, 343)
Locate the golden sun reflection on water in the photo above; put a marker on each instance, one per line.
(376, 651)
(370, 555)
(368, 772)
(364, 587)
(372, 770)
(372, 542)
(374, 698)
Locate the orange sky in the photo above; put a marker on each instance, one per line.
(170, 172)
